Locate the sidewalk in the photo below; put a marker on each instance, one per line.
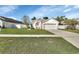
(17, 35)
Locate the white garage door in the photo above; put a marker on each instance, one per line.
(50, 26)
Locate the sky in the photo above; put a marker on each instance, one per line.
(18, 11)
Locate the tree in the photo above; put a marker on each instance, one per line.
(45, 18)
(60, 19)
(26, 21)
(34, 18)
(72, 23)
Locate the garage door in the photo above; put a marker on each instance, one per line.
(50, 26)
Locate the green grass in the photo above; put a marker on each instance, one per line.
(75, 31)
(24, 31)
(33, 45)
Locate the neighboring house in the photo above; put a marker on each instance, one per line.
(45, 24)
(64, 26)
(11, 23)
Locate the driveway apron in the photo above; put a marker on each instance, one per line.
(73, 38)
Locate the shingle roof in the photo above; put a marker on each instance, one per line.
(10, 20)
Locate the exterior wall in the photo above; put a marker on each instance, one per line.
(13, 25)
(23, 26)
(50, 26)
(18, 25)
(62, 26)
(40, 25)
(77, 26)
(34, 25)
(65, 26)
(37, 26)
(9, 25)
(1, 23)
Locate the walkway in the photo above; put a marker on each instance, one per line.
(73, 38)
(17, 35)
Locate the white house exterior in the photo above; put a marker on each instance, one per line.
(1, 23)
(62, 26)
(38, 24)
(11, 23)
(51, 24)
(45, 24)
(77, 26)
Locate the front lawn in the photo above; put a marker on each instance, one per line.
(75, 31)
(24, 31)
(55, 45)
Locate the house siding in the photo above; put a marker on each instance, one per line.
(12, 25)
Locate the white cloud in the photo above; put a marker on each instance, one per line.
(7, 9)
(74, 15)
(70, 8)
(76, 6)
(71, 13)
(42, 11)
(67, 10)
(66, 6)
(13, 17)
(57, 11)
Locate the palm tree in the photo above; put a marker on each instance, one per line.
(60, 19)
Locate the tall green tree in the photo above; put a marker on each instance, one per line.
(45, 18)
(34, 18)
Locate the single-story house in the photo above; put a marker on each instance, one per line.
(45, 24)
(11, 23)
(51, 24)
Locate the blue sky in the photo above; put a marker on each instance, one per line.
(18, 11)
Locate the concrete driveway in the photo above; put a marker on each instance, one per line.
(73, 38)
